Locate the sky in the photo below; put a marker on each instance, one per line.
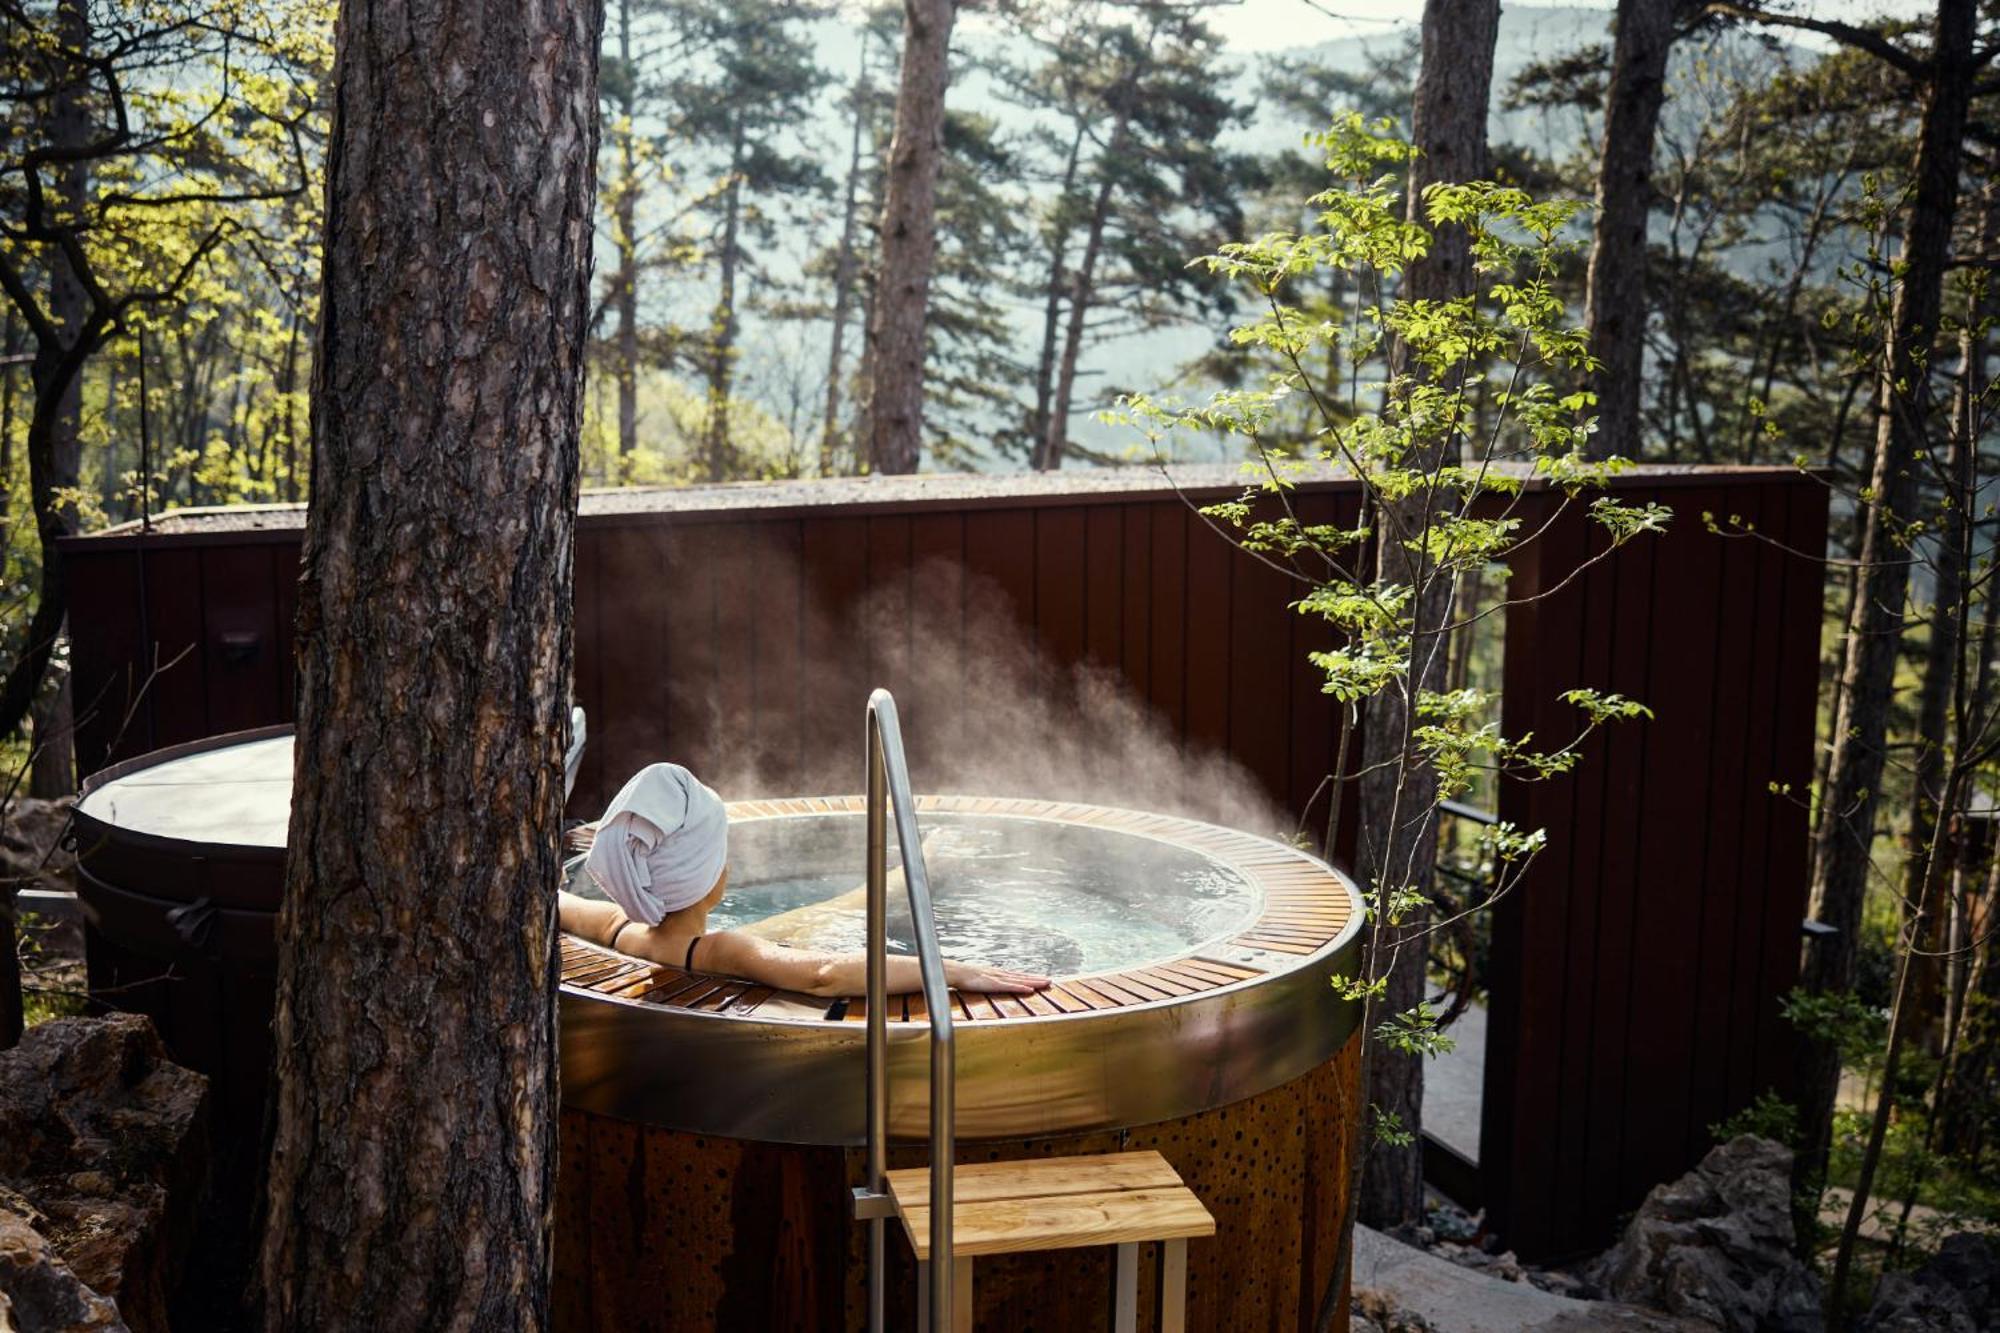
(1266, 25)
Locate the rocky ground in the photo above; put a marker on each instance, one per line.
(102, 1163)
(1712, 1250)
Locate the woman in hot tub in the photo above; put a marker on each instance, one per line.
(661, 855)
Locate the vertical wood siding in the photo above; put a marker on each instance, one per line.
(1638, 969)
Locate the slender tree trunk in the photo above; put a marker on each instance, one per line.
(1874, 632)
(412, 1175)
(1975, 1055)
(1901, 1025)
(1777, 337)
(109, 478)
(10, 348)
(843, 275)
(52, 771)
(1045, 365)
(1943, 662)
(1615, 285)
(909, 239)
(718, 444)
(1968, 405)
(626, 220)
(864, 375)
(1398, 793)
(12, 1017)
(290, 380)
(1049, 448)
(57, 365)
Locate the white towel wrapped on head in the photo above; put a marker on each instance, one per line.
(661, 845)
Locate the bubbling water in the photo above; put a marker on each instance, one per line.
(1037, 895)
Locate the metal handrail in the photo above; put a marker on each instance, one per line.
(889, 787)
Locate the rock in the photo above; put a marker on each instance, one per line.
(102, 1156)
(38, 1291)
(1716, 1246)
(1379, 1312)
(1559, 1282)
(29, 855)
(1447, 1221)
(1956, 1291)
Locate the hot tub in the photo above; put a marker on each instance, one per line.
(710, 1128)
(1192, 967)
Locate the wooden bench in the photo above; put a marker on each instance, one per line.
(1059, 1203)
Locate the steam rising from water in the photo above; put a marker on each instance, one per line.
(986, 710)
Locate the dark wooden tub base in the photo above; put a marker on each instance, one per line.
(663, 1230)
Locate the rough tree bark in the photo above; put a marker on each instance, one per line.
(1398, 821)
(1875, 627)
(909, 239)
(1615, 286)
(413, 1168)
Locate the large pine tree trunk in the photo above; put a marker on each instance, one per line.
(909, 239)
(413, 1169)
(1398, 822)
(1875, 629)
(1615, 287)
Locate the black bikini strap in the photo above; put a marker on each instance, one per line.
(688, 962)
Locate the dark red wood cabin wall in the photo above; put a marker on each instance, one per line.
(1634, 977)
(1637, 971)
(1015, 638)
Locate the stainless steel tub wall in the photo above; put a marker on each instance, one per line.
(801, 1082)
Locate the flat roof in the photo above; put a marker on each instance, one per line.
(878, 494)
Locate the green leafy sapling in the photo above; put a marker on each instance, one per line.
(1446, 413)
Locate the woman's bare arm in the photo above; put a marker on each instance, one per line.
(819, 973)
(733, 953)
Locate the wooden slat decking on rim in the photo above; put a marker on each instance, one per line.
(1305, 909)
(1286, 879)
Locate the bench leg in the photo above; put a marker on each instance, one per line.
(1125, 1289)
(961, 1296)
(1173, 1286)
